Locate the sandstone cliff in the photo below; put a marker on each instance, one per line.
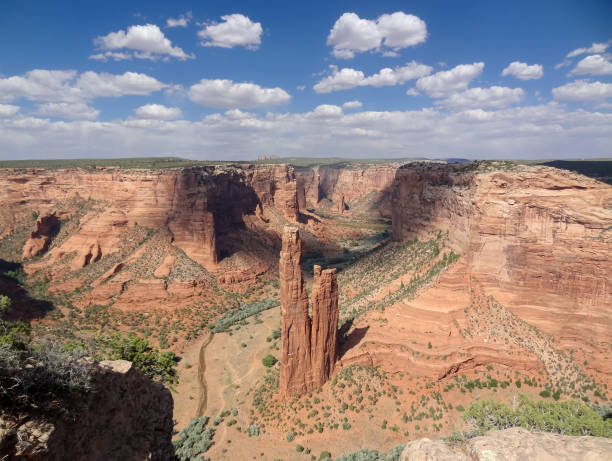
(347, 186)
(126, 417)
(104, 215)
(308, 346)
(536, 239)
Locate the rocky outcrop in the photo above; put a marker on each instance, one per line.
(324, 345)
(44, 229)
(125, 417)
(509, 445)
(309, 346)
(296, 325)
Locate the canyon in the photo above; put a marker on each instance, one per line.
(445, 274)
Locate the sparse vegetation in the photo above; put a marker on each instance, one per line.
(566, 417)
(194, 440)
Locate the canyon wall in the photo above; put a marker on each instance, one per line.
(536, 238)
(194, 203)
(345, 185)
(308, 346)
(103, 214)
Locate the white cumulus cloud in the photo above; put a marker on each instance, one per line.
(67, 86)
(596, 64)
(230, 95)
(144, 42)
(495, 96)
(583, 90)
(182, 21)
(445, 82)
(352, 34)
(594, 48)
(8, 110)
(235, 30)
(348, 78)
(69, 110)
(97, 85)
(523, 71)
(157, 112)
(352, 104)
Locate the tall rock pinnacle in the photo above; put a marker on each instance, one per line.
(295, 372)
(309, 347)
(324, 324)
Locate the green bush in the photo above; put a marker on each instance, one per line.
(325, 455)
(253, 430)
(242, 312)
(566, 417)
(299, 448)
(194, 440)
(290, 436)
(545, 393)
(373, 455)
(153, 363)
(269, 360)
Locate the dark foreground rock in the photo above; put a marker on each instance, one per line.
(127, 417)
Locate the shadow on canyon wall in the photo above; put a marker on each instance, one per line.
(23, 306)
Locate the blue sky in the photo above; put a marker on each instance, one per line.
(233, 80)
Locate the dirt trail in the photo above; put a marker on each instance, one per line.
(201, 374)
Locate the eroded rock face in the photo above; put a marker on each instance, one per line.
(44, 229)
(295, 372)
(309, 347)
(324, 324)
(512, 444)
(128, 417)
(538, 239)
(345, 184)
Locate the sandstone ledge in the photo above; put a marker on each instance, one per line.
(515, 444)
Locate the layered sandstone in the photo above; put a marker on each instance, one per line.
(324, 344)
(44, 229)
(309, 346)
(511, 444)
(536, 239)
(347, 185)
(296, 325)
(196, 208)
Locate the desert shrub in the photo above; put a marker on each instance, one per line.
(153, 363)
(194, 439)
(290, 436)
(299, 448)
(40, 375)
(253, 430)
(325, 455)
(276, 333)
(566, 417)
(373, 455)
(269, 360)
(243, 311)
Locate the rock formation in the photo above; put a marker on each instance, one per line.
(295, 373)
(126, 416)
(324, 324)
(44, 229)
(309, 347)
(347, 183)
(509, 445)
